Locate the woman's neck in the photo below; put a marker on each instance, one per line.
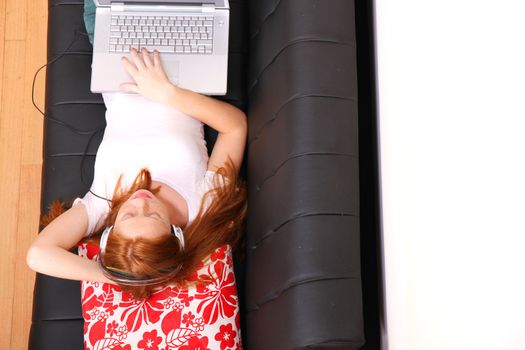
(177, 206)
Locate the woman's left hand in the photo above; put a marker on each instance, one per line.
(150, 79)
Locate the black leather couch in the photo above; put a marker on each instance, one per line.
(310, 276)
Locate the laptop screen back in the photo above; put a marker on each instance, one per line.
(182, 2)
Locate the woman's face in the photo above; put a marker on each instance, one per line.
(143, 215)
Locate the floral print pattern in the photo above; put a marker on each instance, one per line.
(199, 317)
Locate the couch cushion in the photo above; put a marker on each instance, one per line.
(69, 154)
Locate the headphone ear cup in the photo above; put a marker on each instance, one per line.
(177, 231)
(104, 240)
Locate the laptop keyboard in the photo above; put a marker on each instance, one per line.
(173, 34)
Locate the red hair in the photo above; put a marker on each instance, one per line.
(222, 222)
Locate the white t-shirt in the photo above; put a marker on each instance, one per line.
(141, 133)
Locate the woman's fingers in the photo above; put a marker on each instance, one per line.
(132, 70)
(136, 59)
(156, 59)
(129, 87)
(147, 59)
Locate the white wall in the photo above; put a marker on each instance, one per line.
(451, 98)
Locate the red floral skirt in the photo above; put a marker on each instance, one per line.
(202, 316)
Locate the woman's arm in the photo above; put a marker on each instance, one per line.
(229, 121)
(48, 253)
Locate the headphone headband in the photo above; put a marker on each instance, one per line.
(126, 278)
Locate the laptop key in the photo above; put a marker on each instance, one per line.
(151, 48)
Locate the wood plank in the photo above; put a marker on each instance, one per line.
(2, 34)
(6, 311)
(16, 20)
(36, 46)
(10, 153)
(31, 172)
(28, 213)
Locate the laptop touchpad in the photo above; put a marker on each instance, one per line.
(171, 67)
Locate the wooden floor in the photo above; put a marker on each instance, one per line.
(23, 34)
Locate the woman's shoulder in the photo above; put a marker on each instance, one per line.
(96, 209)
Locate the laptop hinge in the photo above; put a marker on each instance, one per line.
(208, 8)
(121, 6)
(117, 6)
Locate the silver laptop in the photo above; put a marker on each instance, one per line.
(191, 36)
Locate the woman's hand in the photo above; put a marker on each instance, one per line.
(150, 79)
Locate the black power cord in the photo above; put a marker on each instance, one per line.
(77, 131)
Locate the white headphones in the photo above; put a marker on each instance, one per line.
(176, 230)
(126, 278)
